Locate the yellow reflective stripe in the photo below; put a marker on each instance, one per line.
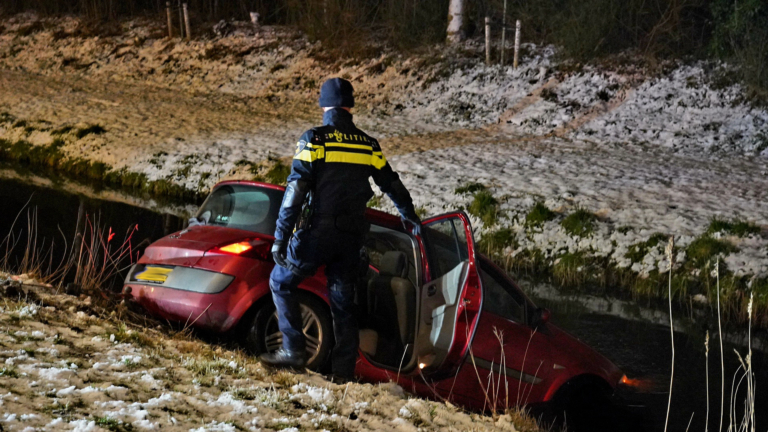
(307, 155)
(344, 157)
(378, 160)
(345, 145)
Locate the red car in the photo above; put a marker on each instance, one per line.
(435, 315)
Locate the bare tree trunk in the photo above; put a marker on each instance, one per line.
(455, 21)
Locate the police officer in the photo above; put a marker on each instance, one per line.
(331, 169)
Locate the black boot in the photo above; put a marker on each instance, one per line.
(285, 359)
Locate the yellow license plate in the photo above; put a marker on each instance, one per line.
(153, 274)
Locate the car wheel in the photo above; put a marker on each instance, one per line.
(265, 336)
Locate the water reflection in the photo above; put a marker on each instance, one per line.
(637, 339)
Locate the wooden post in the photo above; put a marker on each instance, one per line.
(487, 40)
(504, 34)
(186, 21)
(517, 43)
(170, 22)
(181, 22)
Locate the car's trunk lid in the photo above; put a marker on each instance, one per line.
(186, 247)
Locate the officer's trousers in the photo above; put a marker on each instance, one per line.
(339, 249)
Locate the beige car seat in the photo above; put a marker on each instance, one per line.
(392, 300)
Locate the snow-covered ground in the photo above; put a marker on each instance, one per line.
(661, 193)
(646, 152)
(62, 368)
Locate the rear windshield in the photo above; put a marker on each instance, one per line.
(243, 207)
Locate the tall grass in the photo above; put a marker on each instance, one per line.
(745, 375)
(491, 390)
(91, 260)
(720, 337)
(670, 250)
(37, 257)
(98, 260)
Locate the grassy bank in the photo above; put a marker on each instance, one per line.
(53, 158)
(51, 154)
(640, 270)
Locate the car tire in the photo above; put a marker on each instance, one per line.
(264, 336)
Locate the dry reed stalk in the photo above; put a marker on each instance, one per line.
(35, 262)
(489, 387)
(530, 389)
(706, 376)
(720, 337)
(734, 392)
(747, 422)
(503, 365)
(522, 368)
(97, 263)
(431, 387)
(479, 380)
(402, 359)
(689, 422)
(751, 375)
(9, 240)
(670, 250)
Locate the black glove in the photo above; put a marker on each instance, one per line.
(279, 251)
(415, 222)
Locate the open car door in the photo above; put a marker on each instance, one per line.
(450, 300)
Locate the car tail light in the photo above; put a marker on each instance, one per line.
(236, 248)
(254, 248)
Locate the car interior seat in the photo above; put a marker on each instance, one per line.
(249, 208)
(392, 307)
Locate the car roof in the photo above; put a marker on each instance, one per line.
(373, 215)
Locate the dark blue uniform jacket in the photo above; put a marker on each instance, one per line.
(335, 161)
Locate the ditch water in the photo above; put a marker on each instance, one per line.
(635, 338)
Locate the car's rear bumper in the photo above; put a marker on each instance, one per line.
(203, 297)
(179, 278)
(207, 311)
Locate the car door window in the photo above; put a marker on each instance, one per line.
(446, 242)
(381, 240)
(500, 297)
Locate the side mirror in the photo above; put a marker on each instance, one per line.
(541, 317)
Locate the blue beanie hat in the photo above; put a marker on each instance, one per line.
(336, 92)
